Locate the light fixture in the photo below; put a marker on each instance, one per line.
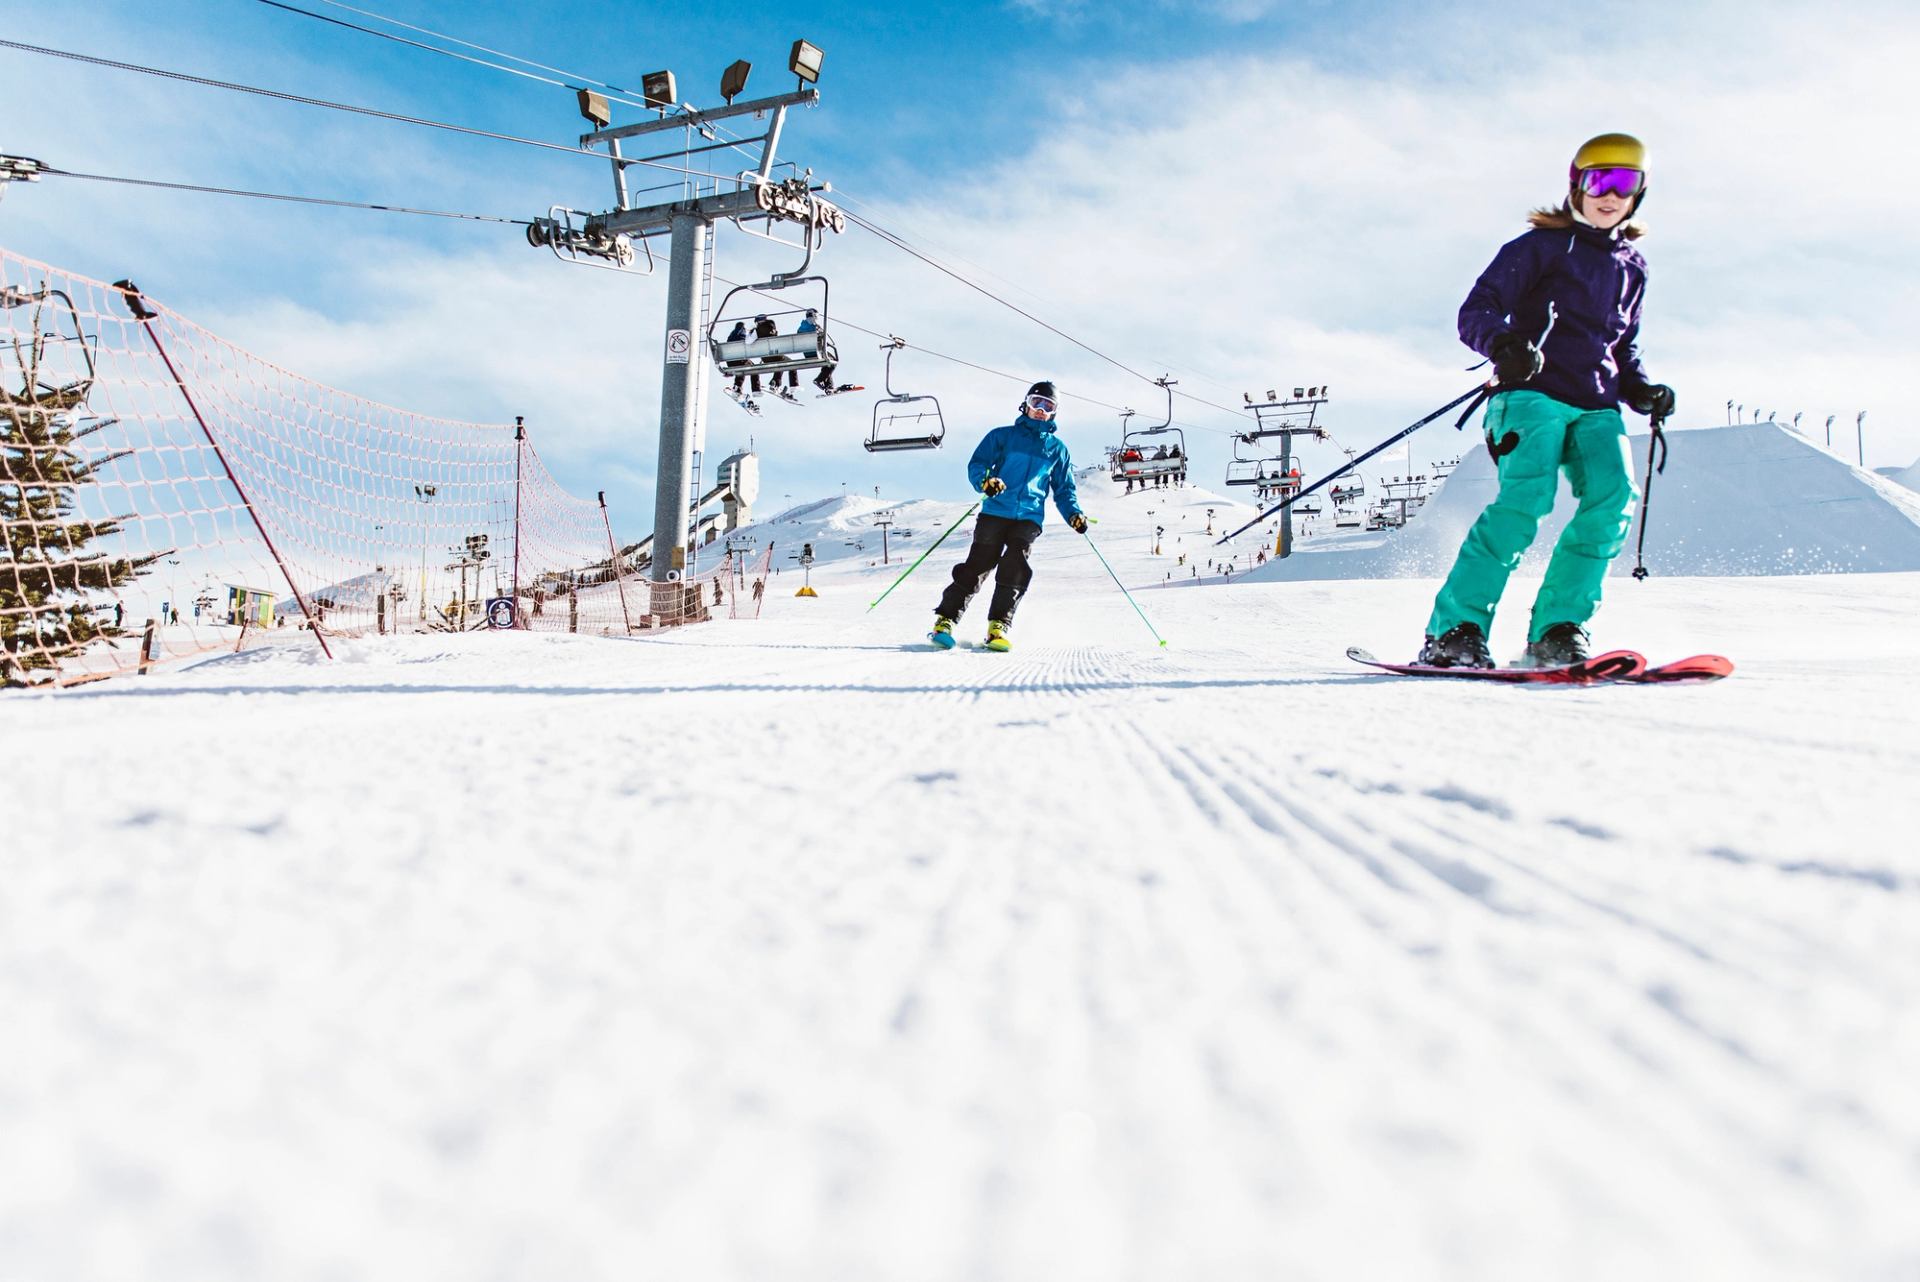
(804, 62)
(657, 88)
(594, 109)
(734, 79)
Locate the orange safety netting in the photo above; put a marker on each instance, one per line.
(164, 493)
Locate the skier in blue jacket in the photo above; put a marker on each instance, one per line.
(1558, 314)
(1016, 467)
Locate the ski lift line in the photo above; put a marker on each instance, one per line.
(418, 44)
(733, 140)
(302, 100)
(904, 247)
(842, 198)
(270, 195)
(900, 242)
(468, 44)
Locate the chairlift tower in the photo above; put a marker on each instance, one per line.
(1405, 492)
(1286, 417)
(617, 238)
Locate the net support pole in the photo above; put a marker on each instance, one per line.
(613, 559)
(145, 315)
(519, 449)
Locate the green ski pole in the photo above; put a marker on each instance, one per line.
(923, 556)
(1123, 588)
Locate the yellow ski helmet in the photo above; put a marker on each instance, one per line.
(1611, 151)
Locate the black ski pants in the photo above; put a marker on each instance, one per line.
(1000, 545)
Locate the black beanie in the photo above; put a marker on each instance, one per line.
(1043, 388)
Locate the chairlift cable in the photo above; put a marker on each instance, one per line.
(905, 248)
(614, 96)
(419, 44)
(900, 244)
(468, 44)
(271, 195)
(305, 101)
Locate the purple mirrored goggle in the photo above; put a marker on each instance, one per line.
(1042, 404)
(1614, 181)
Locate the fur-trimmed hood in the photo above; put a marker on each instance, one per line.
(1562, 218)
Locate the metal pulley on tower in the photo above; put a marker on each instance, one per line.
(586, 241)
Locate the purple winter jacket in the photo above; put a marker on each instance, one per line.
(1595, 282)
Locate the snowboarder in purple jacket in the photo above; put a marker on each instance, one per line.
(1558, 314)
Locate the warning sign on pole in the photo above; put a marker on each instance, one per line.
(679, 346)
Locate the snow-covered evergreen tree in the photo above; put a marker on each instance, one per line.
(49, 575)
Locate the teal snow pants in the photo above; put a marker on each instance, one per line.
(1591, 445)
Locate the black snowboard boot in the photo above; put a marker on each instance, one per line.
(1559, 646)
(1464, 646)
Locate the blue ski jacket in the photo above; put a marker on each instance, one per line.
(1593, 282)
(1032, 459)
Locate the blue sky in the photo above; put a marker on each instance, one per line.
(1241, 193)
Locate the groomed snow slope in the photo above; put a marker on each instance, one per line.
(795, 950)
(1756, 498)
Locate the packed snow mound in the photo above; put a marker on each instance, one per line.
(1750, 499)
(847, 527)
(1908, 476)
(357, 593)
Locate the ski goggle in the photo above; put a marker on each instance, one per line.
(1613, 181)
(1042, 404)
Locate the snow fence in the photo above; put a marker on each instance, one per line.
(164, 493)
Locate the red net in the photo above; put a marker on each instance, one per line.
(164, 493)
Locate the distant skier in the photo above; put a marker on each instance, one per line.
(736, 335)
(1016, 467)
(823, 379)
(764, 327)
(1559, 311)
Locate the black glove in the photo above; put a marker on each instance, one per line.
(992, 486)
(1515, 359)
(1079, 522)
(1655, 400)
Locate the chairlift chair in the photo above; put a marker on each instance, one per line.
(778, 352)
(48, 351)
(901, 420)
(1255, 471)
(1144, 468)
(1115, 463)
